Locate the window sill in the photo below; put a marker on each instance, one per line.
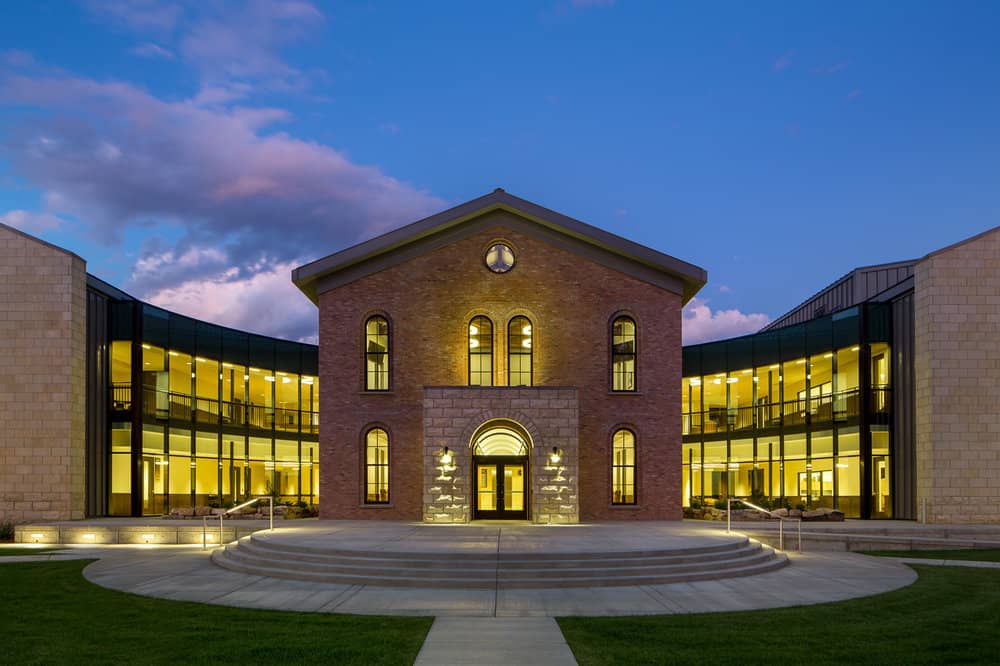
(631, 507)
(625, 393)
(377, 506)
(389, 392)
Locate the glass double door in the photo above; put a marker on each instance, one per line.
(500, 490)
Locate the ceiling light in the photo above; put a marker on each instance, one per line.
(716, 381)
(526, 330)
(473, 343)
(732, 380)
(473, 329)
(269, 378)
(526, 343)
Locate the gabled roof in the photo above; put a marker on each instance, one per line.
(447, 226)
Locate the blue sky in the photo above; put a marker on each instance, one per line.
(193, 152)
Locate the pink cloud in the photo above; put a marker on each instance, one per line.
(784, 61)
(151, 50)
(266, 302)
(700, 323)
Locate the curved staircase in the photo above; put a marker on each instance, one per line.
(260, 556)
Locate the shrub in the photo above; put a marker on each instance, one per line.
(695, 503)
(7, 530)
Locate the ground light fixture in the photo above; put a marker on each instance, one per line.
(446, 456)
(555, 456)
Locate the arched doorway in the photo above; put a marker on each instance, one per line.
(500, 472)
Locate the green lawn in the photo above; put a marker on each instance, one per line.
(950, 615)
(51, 615)
(973, 555)
(15, 550)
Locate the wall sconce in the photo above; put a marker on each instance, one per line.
(555, 456)
(446, 456)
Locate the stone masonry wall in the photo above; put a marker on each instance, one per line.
(957, 366)
(451, 417)
(42, 379)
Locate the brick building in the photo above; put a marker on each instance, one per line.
(500, 360)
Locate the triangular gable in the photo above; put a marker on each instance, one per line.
(466, 219)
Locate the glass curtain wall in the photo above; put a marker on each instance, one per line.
(783, 418)
(224, 416)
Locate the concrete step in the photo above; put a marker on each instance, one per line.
(740, 557)
(776, 561)
(458, 569)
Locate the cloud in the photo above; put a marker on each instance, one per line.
(390, 128)
(266, 302)
(827, 70)
(138, 15)
(724, 289)
(700, 323)
(587, 4)
(31, 222)
(151, 50)
(243, 45)
(228, 42)
(854, 94)
(783, 61)
(119, 158)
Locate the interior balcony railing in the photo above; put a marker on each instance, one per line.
(177, 407)
(828, 408)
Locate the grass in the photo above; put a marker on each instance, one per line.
(51, 614)
(23, 550)
(968, 554)
(950, 615)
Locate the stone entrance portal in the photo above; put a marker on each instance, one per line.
(488, 453)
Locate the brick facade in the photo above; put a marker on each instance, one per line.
(957, 369)
(43, 314)
(429, 300)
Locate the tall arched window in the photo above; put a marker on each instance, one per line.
(519, 336)
(377, 466)
(623, 467)
(623, 354)
(377, 354)
(480, 351)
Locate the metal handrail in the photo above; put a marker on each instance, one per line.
(781, 521)
(204, 520)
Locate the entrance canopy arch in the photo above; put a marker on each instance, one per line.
(501, 437)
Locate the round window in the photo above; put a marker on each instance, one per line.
(500, 258)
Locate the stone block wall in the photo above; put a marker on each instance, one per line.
(43, 312)
(452, 415)
(957, 369)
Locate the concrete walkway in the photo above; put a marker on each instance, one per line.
(459, 641)
(187, 574)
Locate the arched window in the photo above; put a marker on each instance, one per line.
(377, 466)
(377, 354)
(623, 354)
(480, 351)
(623, 467)
(519, 352)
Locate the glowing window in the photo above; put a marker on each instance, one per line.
(623, 467)
(377, 467)
(377, 354)
(480, 352)
(623, 354)
(519, 351)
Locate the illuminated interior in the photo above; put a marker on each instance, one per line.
(218, 424)
(790, 418)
